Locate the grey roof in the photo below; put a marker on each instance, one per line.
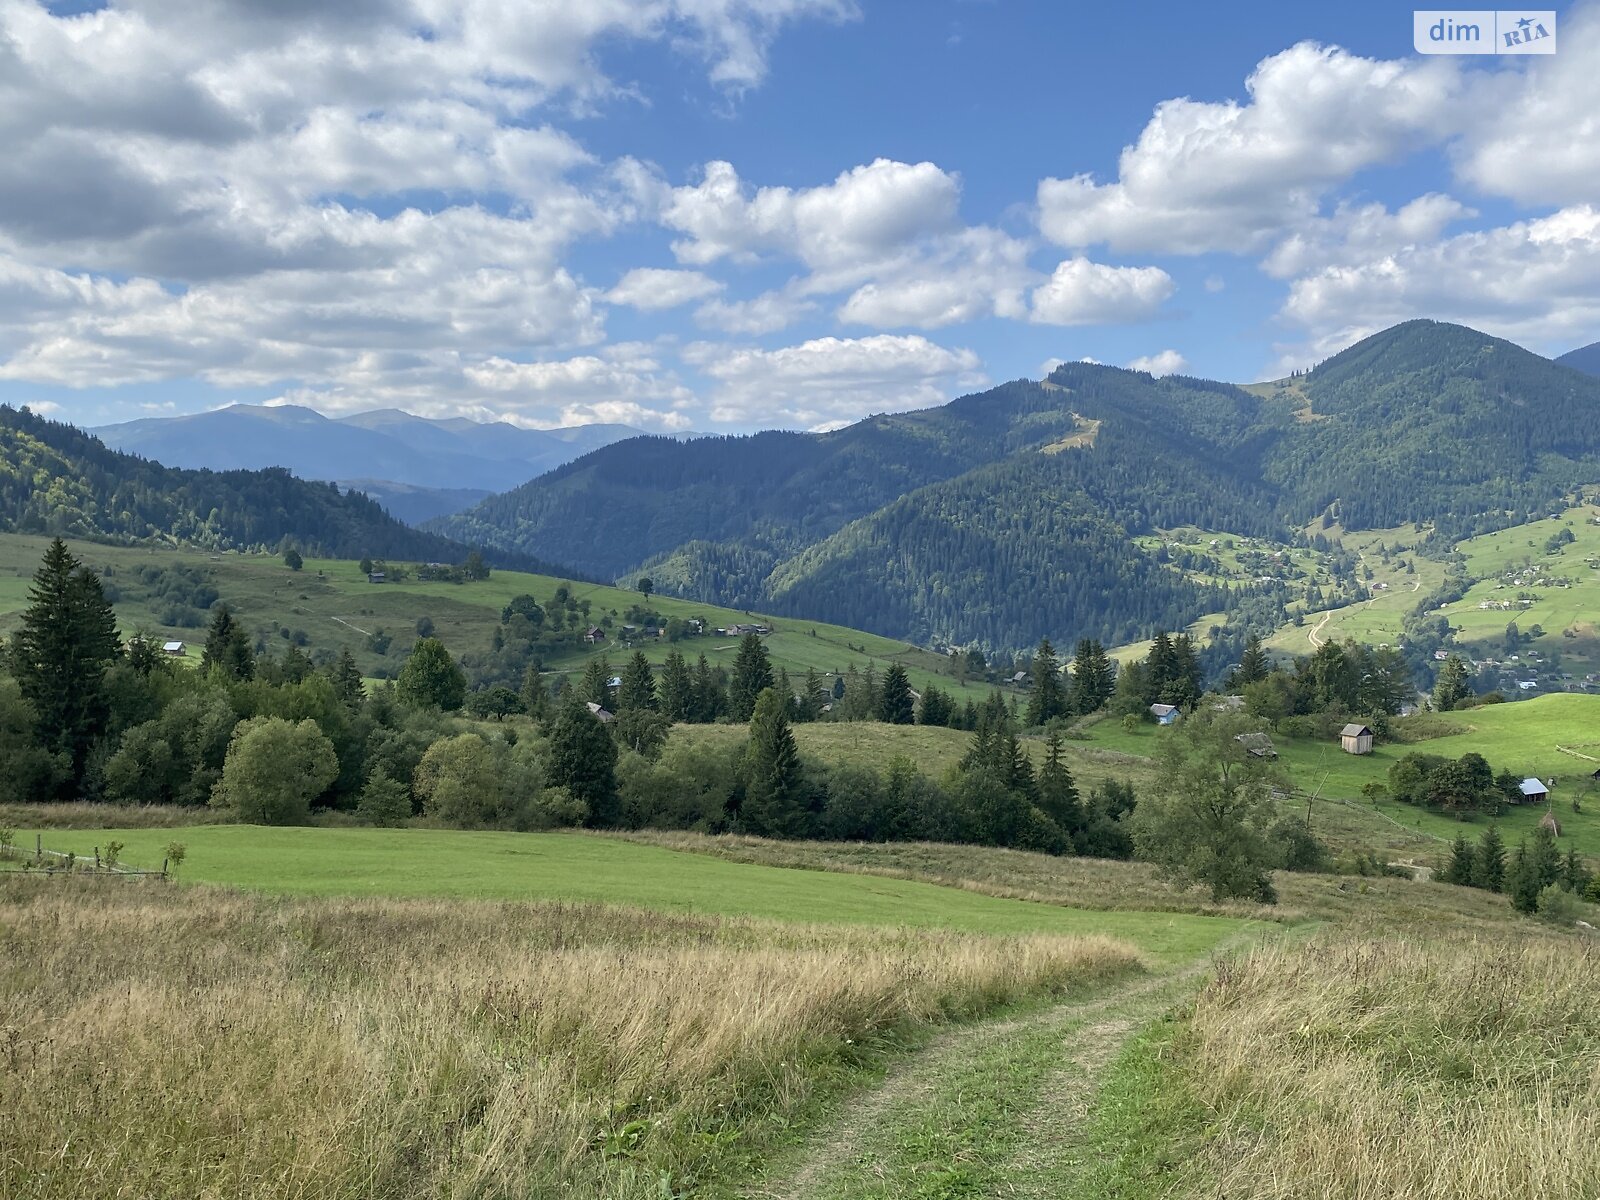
(1162, 710)
(1353, 730)
(1533, 787)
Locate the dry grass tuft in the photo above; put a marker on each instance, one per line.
(164, 1042)
(1460, 1067)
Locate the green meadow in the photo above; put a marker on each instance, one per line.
(1522, 738)
(581, 868)
(331, 603)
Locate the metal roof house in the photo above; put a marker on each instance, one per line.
(1534, 791)
(1165, 714)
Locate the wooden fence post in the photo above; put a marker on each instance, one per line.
(164, 863)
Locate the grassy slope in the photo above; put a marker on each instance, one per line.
(573, 867)
(1496, 558)
(1517, 737)
(338, 608)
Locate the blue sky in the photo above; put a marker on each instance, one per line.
(733, 214)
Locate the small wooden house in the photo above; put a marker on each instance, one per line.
(174, 649)
(1257, 745)
(594, 634)
(1534, 791)
(1165, 714)
(603, 715)
(1355, 739)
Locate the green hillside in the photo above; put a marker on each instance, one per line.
(55, 479)
(329, 606)
(1527, 739)
(1023, 511)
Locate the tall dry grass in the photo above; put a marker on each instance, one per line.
(1454, 1067)
(165, 1042)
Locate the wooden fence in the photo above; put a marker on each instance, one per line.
(55, 862)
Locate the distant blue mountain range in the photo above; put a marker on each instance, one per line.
(415, 467)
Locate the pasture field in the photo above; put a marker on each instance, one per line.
(333, 606)
(933, 750)
(585, 869)
(1518, 737)
(195, 1042)
(1514, 565)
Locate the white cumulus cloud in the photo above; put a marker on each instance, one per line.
(1081, 292)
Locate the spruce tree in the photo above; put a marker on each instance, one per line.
(66, 642)
(1489, 870)
(1058, 794)
(676, 690)
(1452, 686)
(895, 706)
(1462, 864)
(228, 647)
(347, 682)
(1093, 678)
(773, 799)
(710, 698)
(936, 707)
(595, 686)
(583, 759)
(1048, 698)
(1253, 665)
(638, 689)
(752, 675)
(535, 699)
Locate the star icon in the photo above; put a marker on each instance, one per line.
(1524, 23)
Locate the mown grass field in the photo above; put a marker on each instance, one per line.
(577, 868)
(1518, 737)
(334, 606)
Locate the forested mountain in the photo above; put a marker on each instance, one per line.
(1007, 515)
(416, 467)
(1584, 358)
(59, 480)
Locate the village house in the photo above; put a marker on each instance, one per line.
(376, 577)
(604, 716)
(1165, 714)
(174, 649)
(594, 634)
(1257, 745)
(1534, 791)
(1355, 739)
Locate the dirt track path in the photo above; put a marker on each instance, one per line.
(972, 1104)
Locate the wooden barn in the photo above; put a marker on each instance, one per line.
(1356, 739)
(1534, 791)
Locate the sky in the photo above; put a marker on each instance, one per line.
(724, 215)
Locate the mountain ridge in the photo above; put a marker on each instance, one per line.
(928, 525)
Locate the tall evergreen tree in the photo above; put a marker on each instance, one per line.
(752, 675)
(1460, 866)
(1058, 794)
(710, 697)
(228, 646)
(676, 690)
(61, 652)
(583, 759)
(638, 689)
(1093, 677)
(895, 706)
(773, 795)
(1452, 686)
(1048, 698)
(595, 686)
(1489, 869)
(347, 682)
(535, 699)
(936, 707)
(1253, 665)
